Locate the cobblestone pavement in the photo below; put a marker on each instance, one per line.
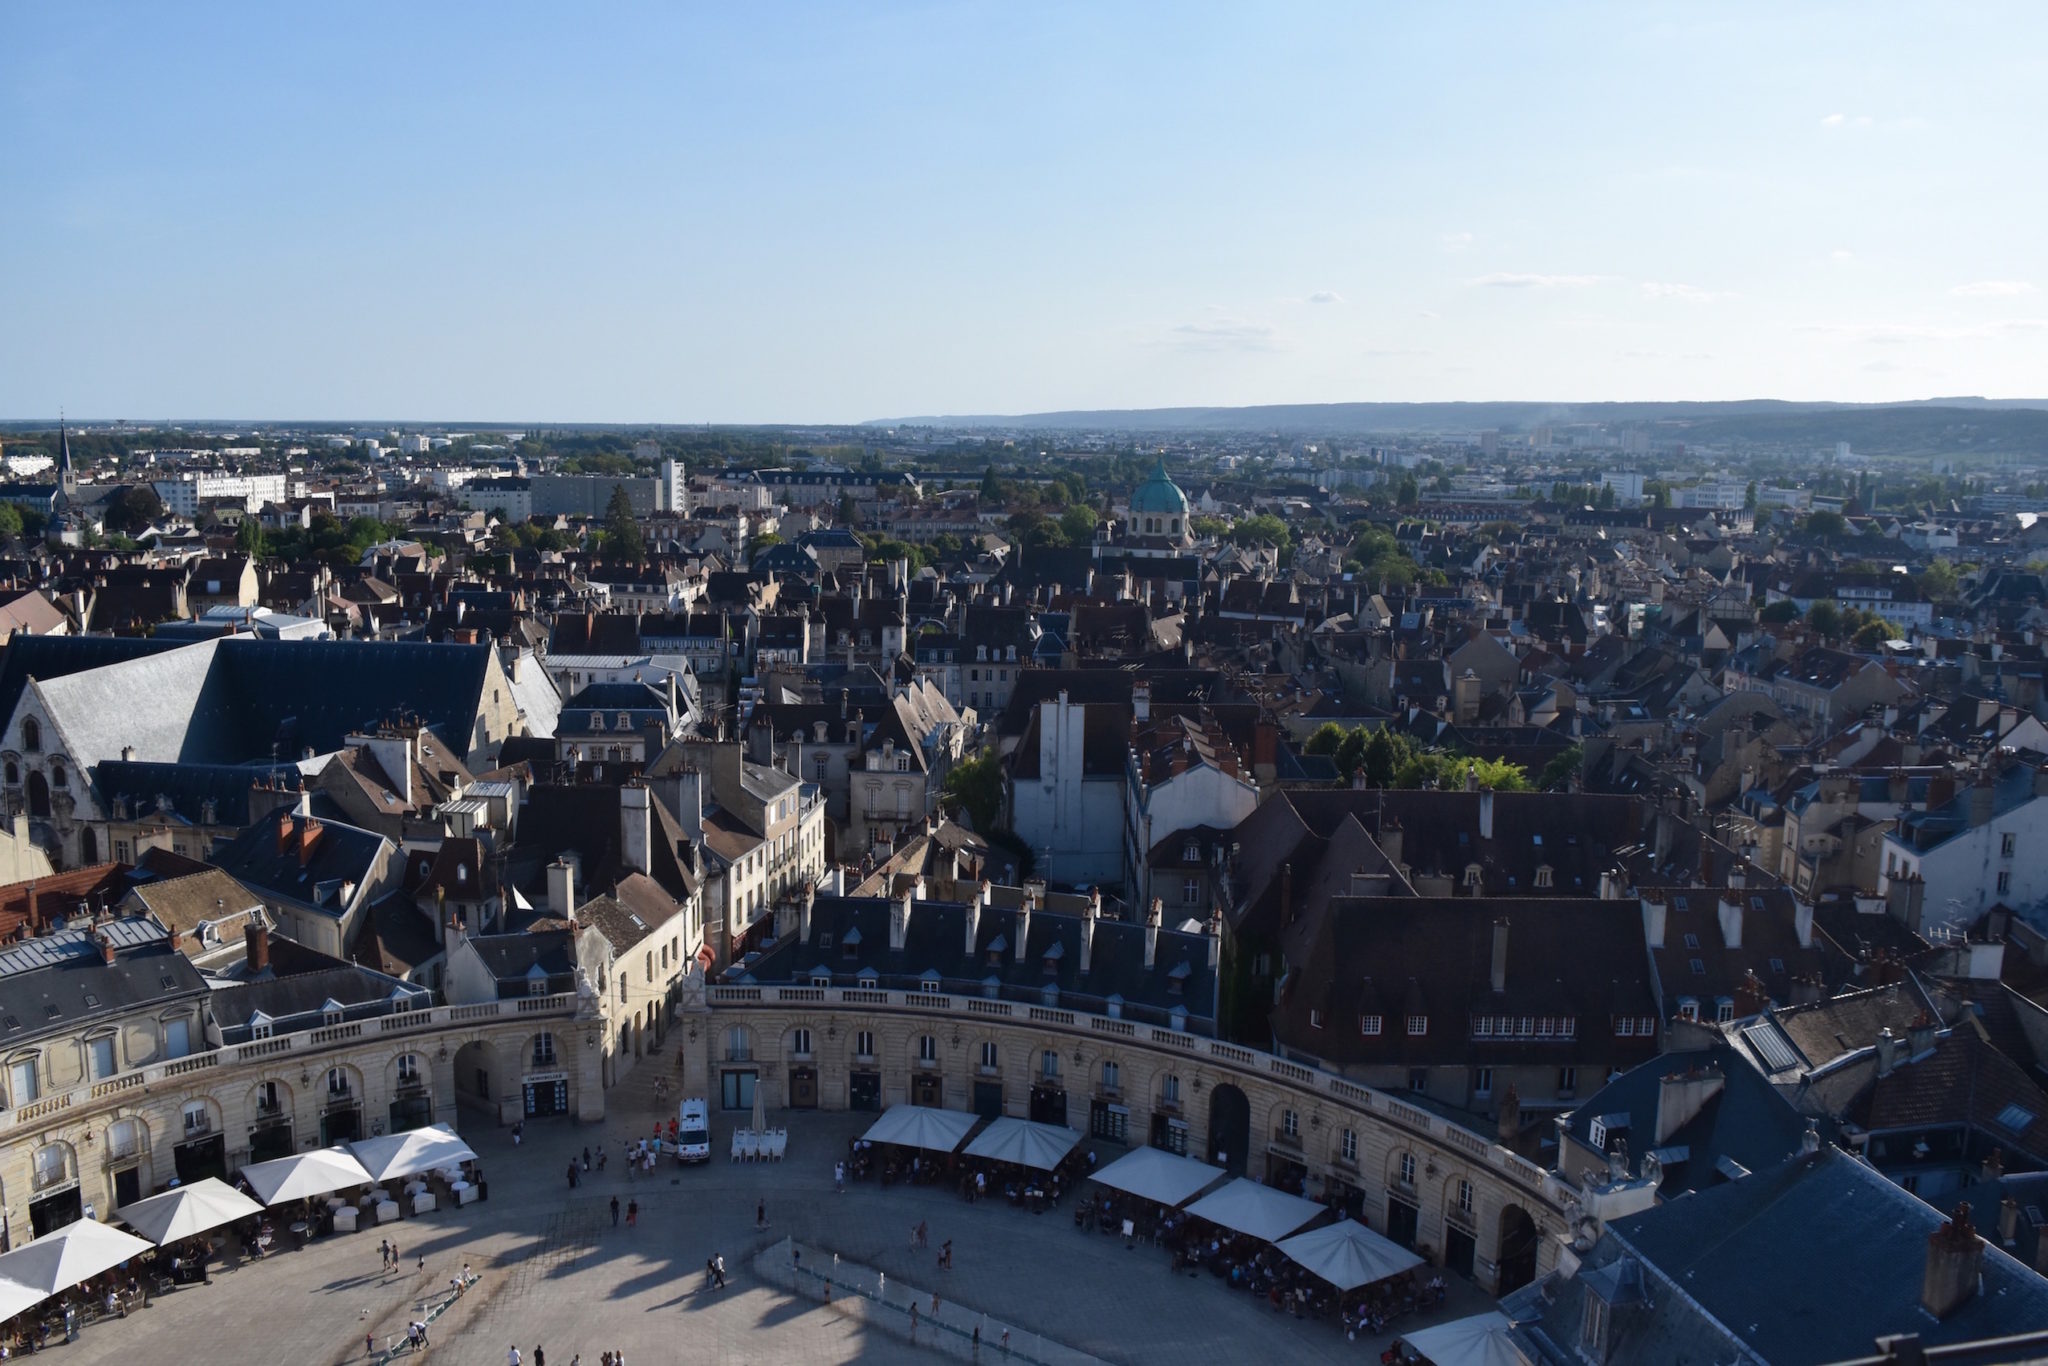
(556, 1274)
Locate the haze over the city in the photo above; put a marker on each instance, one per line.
(836, 213)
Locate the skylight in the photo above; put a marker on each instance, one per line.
(2015, 1117)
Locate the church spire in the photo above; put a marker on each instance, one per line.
(67, 477)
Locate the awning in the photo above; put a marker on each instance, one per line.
(922, 1126)
(1348, 1255)
(1245, 1206)
(1159, 1176)
(415, 1150)
(1024, 1142)
(304, 1175)
(16, 1298)
(1481, 1340)
(187, 1210)
(61, 1259)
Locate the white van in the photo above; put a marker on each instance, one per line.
(693, 1132)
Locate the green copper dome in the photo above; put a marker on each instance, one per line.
(1159, 496)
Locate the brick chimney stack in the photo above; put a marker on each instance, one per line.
(256, 944)
(1955, 1260)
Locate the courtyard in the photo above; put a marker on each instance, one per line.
(556, 1274)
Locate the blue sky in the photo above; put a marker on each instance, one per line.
(749, 213)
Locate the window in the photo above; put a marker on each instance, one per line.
(1109, 1076)
(2006, 843)
(1544, 876)
(198, 1119)
(1049, 1065)
(1482, 1081)
(57, 778)
(13, 774)
(1567, 1080)
(1407, 1169)
(927, 1048)
(1625, 1027)
(1169, 1089)
(22, 1087)
(1699, 967)
(1369, 1025)
(537, 985)
(1688, 1008)
(543, 1049)
(1465, 1196)
(2005, 882)
(177, 1038)
(649, 971)
(409, 1069)
(259, 1026)
(988, 1057)
(1191, 852)
(31, 735)
(1692, 941)
(1290, 1123)
(903, 763)
(1473, 876)
(1593, 1328)
(739, 1044)
(1418, 1025)
(337, 1081)
(102, 1058)
(864, 1044)
(266, 1098)
(1191, 891)
(1315, 1019)
(1347, 1147)
(800, 1042)
(1418, 1079)
(929, 987)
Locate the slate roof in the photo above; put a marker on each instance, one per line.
(47, 657)
(59, 982)
(294, 1003)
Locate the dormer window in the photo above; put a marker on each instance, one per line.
(596, 721)
(625, 722)
(1474, 876)
(1191, 852)
(1418, 1025)
(331, 1011)
(260, 1026)
(1543, 876)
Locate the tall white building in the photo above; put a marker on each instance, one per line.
(182, 493)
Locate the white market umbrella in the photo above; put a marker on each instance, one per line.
(1481, 1340)
(1024, 1143)
(305, 1175)
(1348, 1255)
(61, 1259)
(409, 1153)
(188, 1210)
(16, 1298)
(1159, 1176)
(1245, 1206)
(921, 1126)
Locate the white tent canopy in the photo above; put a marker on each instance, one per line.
(304, 1175)
(62, 1258)
(1248, 1207)
(411, 1152)
(1159, 1176)
(16, 1298)
(922, 1126)
(1348, 1255)
(1024, 1142)
(1481, 1340)
(187, 1210)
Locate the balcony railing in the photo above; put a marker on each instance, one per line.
(308, 1041)
(1226, 1057)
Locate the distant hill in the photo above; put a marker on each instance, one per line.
(2001, 426)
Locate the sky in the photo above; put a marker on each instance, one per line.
(828, 213)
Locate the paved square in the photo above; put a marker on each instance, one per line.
(556, 1274)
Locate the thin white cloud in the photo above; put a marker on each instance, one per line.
(1510, 279)
(1224, 334)
(1456, 241)
(1691, 294)
(1993, 289)
(1847, 121)
(1326, 296)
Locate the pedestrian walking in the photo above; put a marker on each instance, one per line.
(423, 1262)
(718, 1263)
(572, 1173)
(913, 1237)
(369, 1344)
(512, 1357)
(761, 1213)
(600, 1159)
(710, 1283)
(518, 1132)
(615, 1211)
(384, 1252)
(540, 1358)
(923, 1234)
(394, 1256)
(935, 1304)
(946, 1255)
(632, 1214)
(913, 1322)
(1005, 1344)
(839, 1177)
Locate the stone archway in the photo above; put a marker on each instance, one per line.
(1230, 1129)
(38, 796)
(1516, 1256)
(476, 1076)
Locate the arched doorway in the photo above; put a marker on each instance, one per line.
(38, 796)
(1517, 1259)
(474, 1073)
(1230, 1129)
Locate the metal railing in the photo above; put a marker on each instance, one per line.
(305, 1042)
(1343, 1093)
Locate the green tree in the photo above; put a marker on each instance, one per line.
(1077, 524)
(10, 520)
(1408, 493)
(1939, 581)
(1327, 737)
(1557, 775)
(1874, 633)
(133, 508)
(1826, 526)
(1749, 497)
(1778, 613)
(991, 487)
(622, 528)
(976, 786)
(1825, 618)
(1264, 527)
(849, 514)
(1606, 498)
(1451, 771)
(249, 538)
(762, 542)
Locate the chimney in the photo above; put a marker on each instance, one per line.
(1981, 799)
(2008, 1221)
(1215, 938)
(1023, 923)
(635, 834)
(899, 917)
(1809, 1142)
(1731, 922)
(1887, 1051)
(1653, 923)
(1920, 1035)
(1486, 815)
(562, 889)
(975, 906)
(1141, 701)
(256, 944)
(1088, 918)
(1500, 954)
(1750, 997)
(1802, 923)
(106, 949)
(1955, 1260)
(1152, 931)
(1682, 1095)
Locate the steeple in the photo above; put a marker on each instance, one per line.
(67, 477)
